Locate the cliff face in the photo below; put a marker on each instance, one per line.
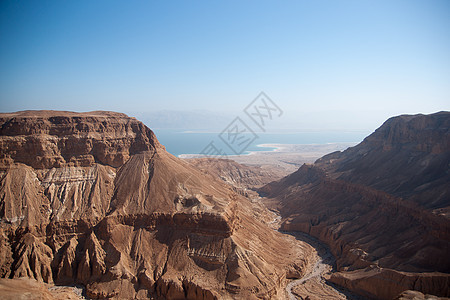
(49, 139)
(408, 157)
(381, 206)
(94, 199)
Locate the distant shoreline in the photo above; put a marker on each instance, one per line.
(277, 148)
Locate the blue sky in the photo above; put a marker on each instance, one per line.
(348, 64)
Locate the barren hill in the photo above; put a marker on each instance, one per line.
(408, 157)
(94, 199)
(382, 206)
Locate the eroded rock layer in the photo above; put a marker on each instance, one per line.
(381, 206)
(94, 199)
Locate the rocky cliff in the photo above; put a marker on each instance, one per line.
(408, 157)
(94, 199)
(380, 206)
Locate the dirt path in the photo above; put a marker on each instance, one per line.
(319, 268)
(312, 285)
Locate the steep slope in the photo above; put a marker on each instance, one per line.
(94, 199)
(379, 205)
(408, 157)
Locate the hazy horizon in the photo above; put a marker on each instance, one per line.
(345, 65)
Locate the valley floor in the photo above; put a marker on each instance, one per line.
(285, 158)
(313, 285)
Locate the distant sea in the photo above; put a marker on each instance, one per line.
(179, 142)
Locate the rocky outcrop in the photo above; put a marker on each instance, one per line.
(48, 139)
(379, 206)
(364, 226)
(408, 157)
(368, 282)
(32, 259)
(94, 199)
(415, 295)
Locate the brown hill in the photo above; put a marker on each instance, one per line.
(408, 157)
(94, 199)
(380, 206)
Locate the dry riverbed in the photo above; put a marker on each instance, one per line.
(313, 285)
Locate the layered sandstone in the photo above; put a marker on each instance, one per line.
(408, 157)
(382, 283)
(94, 199)
(380, 206)
(50, 139)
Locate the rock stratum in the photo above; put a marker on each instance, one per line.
(382, 207)
(94, 199)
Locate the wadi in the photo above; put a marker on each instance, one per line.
(93, 206)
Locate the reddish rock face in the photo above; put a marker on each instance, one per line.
(47, 139)
(94, 199)
(380, 205)
(407, 157)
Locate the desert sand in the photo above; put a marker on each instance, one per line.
(285, 158)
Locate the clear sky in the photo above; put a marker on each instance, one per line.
(337, 62)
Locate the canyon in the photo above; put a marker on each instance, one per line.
(382, 207)
(93, 201)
